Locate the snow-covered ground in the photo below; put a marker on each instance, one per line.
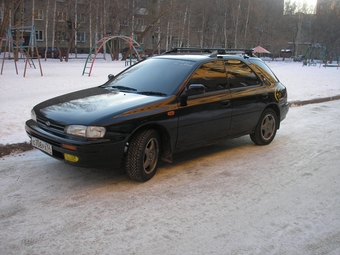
(19, 94)
(230, 198)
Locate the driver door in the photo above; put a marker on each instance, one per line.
(205, 118)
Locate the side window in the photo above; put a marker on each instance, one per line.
(240, 75)
(212, 75)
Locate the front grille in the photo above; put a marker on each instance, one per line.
(50, 126)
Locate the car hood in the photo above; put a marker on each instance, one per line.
(90, 106)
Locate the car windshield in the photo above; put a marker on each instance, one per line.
(155, 76)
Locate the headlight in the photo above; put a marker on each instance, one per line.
(95, 132)
(85, 131)
(33, 115)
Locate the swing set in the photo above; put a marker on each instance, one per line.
(29, 50)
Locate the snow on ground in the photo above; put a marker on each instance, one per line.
(19, 94)
(277, 199)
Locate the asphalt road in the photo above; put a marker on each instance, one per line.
(229, 198)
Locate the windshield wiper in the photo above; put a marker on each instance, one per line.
(123, 88)
(152, 93)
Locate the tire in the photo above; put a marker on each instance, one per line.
(266, 128)
(142, 155)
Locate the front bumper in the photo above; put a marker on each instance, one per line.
(90, 152)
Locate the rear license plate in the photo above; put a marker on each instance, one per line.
(41, 145)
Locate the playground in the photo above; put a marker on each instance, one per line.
(317, 55)
(27, 47)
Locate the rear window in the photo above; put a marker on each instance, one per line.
(265, 70)
(240, 75)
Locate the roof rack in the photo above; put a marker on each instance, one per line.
(213, 51)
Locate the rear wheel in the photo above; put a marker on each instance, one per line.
(266, 128)
(142, 156)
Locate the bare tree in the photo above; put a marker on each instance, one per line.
(326, 32)
(46, 25)
(236, 12)
(247, 23)
(163, 24)
(297, 27)
(158, 14)
(6, 9)
(69, 26)
(54, 27)
(169, 29)
(185, 16)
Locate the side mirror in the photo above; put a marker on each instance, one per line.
(195, 89)
(110, 76)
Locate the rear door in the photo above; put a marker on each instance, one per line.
(249, 96)
(206, 117)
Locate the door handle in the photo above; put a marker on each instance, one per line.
(226, 102)
(265, 96)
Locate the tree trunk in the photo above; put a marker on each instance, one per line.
(90, 26)
(237, 23)
(225, 33)
(246, 26)
(183, 27)
(46, 26)
(75, 29)
(202, 31)
(54, 28)
(33, 16)
(104, 27)
(188, 32)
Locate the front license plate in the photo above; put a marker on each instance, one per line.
(41, 145)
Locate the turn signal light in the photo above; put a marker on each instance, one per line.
(69, 147)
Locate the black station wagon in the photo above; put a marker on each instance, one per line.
(160, 106)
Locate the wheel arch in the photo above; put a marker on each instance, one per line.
(276, 109)
(166, 148)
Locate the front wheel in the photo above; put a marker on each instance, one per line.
(142, 156)
(266, 128)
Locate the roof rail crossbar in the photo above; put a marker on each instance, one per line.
(218, 51)
(188, 49)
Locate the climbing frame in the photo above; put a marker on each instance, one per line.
(100, 44)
